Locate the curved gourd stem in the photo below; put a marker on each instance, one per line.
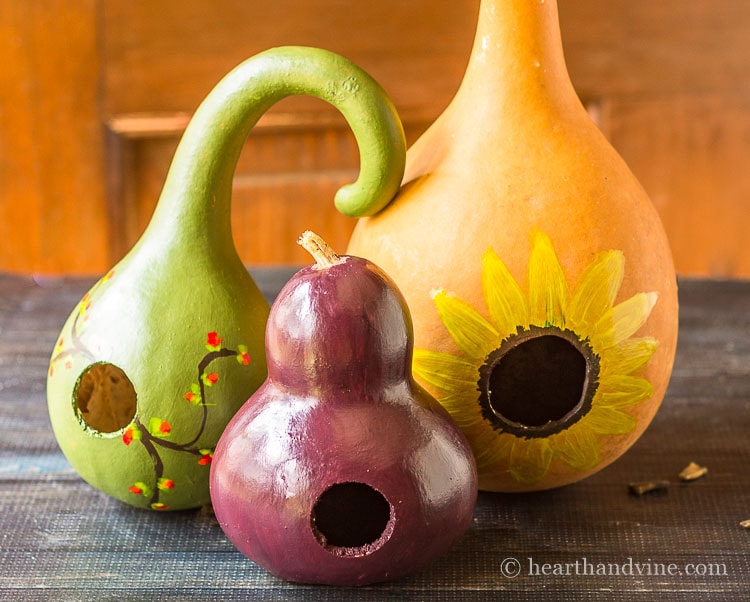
(196, 195)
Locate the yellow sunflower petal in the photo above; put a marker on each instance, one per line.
(623, 320)
(622, 391)
(491, 450)
(548, 289)
(597, 289)
(577, 446)
(461, 407)
(445, 371)
(609, 421)
(629, 356)
(505, 299)
(530, 459)
(474, 335)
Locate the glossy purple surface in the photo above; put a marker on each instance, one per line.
(340, 406)
(346, 326)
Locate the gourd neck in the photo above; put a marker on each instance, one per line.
(517, 62)
(194, 206)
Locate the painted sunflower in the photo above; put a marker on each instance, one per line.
(549, 373)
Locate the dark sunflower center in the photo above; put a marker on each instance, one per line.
(538, 382)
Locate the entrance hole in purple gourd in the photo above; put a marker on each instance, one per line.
(352, 519)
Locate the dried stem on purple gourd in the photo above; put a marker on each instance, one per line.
(321, 251)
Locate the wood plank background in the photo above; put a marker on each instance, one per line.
(96, 94)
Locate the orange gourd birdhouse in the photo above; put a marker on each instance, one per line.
(537, 271)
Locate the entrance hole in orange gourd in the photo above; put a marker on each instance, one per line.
(538, 382)
(104, 398)
(352, 519)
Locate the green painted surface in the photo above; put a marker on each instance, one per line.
(159, 314)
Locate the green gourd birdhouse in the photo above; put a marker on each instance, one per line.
(162, 351)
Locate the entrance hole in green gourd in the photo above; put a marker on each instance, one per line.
(352, 519)
(538, 382)
(104, 398)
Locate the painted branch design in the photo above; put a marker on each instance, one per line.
(154, 435)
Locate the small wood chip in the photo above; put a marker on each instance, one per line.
(692, 472)
(745, 524)
(642, 487)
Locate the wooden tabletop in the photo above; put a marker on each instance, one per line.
(62, 540)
